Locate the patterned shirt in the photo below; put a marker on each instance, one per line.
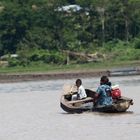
(104, 92)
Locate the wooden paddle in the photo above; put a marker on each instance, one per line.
(69, 89)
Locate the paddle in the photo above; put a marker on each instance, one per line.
(69, 89)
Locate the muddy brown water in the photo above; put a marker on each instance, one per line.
(31, 111)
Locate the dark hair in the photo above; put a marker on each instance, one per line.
(104, 80)
(109, 83)
(79, 81)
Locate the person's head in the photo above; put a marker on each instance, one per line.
(78, 82)
(104, 80)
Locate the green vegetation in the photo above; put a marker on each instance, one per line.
(44, 68)
(47, 37)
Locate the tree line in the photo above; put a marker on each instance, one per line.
(39, 30)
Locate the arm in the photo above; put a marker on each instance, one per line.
(97, 94)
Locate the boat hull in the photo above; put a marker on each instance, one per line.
(121, 105)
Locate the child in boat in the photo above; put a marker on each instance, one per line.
(103, 92)
(81, 93)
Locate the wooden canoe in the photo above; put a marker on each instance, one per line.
(79, 106)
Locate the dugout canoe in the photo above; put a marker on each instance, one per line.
(79, 106)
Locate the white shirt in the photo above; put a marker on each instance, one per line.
(81, 92)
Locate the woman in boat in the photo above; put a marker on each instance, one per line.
(103, 93)
(81, 93)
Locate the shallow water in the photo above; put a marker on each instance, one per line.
(31, 111)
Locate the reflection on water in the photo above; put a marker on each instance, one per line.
(35, 113)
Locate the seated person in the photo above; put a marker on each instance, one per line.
(81, 93)
(103, 93)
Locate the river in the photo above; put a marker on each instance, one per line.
(31, 111)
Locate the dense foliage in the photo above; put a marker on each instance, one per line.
(40, 30)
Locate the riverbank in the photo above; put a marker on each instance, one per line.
(47, 72)
(36, 76)
(5, 78)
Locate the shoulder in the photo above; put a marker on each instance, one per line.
(105, 86)
(102, 88)
(81, 87)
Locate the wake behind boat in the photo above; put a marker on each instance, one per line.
(119, 105)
